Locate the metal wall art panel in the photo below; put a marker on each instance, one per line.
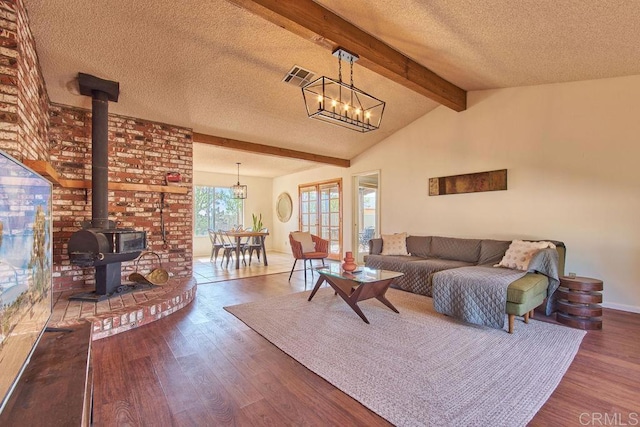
(468, 183)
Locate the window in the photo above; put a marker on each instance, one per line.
(215, 208)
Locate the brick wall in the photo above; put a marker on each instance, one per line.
(24, 104)
(33, 101)
(140, 152)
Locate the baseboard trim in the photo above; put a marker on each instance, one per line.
(622, 307)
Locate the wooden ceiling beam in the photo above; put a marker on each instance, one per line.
(323, 27)
(268, 150)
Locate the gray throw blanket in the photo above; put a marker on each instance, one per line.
(478, 294)
(546, 262)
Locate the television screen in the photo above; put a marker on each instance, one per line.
(25, 267)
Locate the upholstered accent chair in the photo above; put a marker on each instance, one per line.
(307, 247)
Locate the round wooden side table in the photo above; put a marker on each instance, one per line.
(579, 301)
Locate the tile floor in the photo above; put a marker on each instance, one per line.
(206, 271)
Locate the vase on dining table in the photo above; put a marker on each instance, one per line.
(349, 262)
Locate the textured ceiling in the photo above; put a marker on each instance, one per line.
(216, 68)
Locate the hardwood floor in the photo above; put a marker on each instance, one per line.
(203, 367)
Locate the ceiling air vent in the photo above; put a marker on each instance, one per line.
(298, 76)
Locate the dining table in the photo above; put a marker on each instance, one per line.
(239, 234)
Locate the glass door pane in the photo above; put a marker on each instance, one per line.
(309, 209)
(366, 218)
(320, 213)
(330, 205)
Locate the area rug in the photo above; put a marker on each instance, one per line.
(418, 368)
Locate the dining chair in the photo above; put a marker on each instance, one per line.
(244, 247)
(307, 247)
(230, 248)
(216, 245)
(255, 244)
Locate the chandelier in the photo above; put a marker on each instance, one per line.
(336, 102)
(239, 191)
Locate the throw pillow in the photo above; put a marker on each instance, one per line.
(304, 237)
(394, 244)
(520, 253)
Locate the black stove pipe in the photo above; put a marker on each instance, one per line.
(99, 162)
(101, 92)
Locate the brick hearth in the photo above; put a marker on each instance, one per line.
(122, 313)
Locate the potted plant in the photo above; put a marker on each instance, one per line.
(257, 226)
(257, 222)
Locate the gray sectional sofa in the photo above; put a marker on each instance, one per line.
(429, 255)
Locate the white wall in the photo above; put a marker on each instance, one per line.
(571, 151)
(259, 200)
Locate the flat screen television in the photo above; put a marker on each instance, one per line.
(25, 267)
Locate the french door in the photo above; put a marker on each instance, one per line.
(321, 213)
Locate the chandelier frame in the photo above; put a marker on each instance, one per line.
(336, 102)
(239, 191)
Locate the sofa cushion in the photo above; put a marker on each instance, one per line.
(519, 254)
(521, 309)
(417, 271)
(492, 251)
(419, 245)
(389, 262)
(418, 275)
(394, 244)
(467, 250)
(527, 287)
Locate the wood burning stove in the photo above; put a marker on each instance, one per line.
(93, 247)
(100, 243)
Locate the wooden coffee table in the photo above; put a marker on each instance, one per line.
(358, 286)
